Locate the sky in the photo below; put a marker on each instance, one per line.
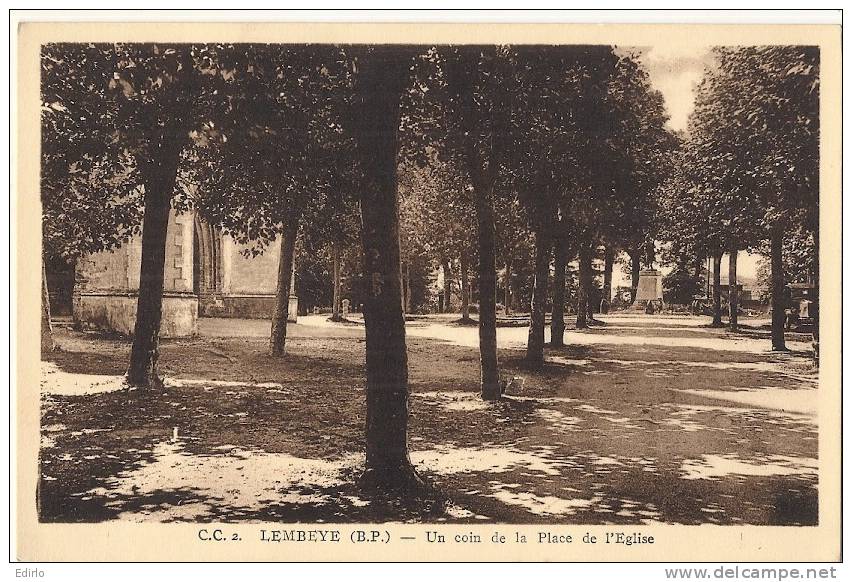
(675, 70)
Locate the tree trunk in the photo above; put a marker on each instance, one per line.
(717, 290)
(557, 322)
(158, 170)
(609, 260)
(159, 185)
(538, 305)
(382, 75)
(335, 302)
(46, 327)
(779, 304)
(585, 286)
(634, 274)
(590, 308)
(448, 286)
(278, 337)
(407, 287)
(489, 374)
(733, 290)
(483, 159)
(507, 291)
(465, 289)
(815, 305)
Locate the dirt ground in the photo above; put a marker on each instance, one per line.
(641, 419)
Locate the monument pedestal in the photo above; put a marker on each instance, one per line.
(650, 289)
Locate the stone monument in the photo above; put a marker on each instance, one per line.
(650, 289)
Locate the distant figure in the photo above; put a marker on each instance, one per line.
(649, 309)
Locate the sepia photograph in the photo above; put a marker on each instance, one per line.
(453, 283)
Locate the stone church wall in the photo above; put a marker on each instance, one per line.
(205, 274)
(107, 285)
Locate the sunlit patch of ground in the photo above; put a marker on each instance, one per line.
(646, 419)
(717, 466)
(542, 505)
(205, 383)
(455, 400)
(689, 332)
(761, 366)
(802, 401)
(244, 480)
(456, 512)
(448, 460)
(56, 381)
(561, 360)
(557, 420)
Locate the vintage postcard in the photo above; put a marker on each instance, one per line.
(427, 292)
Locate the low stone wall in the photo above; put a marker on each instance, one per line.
(248, 307)
(116, 312)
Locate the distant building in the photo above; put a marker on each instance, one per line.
(206, 274)
(751, 295)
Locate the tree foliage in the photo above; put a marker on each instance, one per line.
(750, 159)
(281, 149)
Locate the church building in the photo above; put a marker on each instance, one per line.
(206, 275)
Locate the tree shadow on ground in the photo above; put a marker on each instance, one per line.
(604, 433)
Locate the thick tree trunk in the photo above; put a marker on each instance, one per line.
(557, 321)
(717, 290)
(609, 260)
(733, 290)
(335, 301)
(159, 175)
(465, 288)
(159, 185)
(507, 291)
(278, 337)
(585, 286)
(538, 305)
(382, 76)
(779, 304)
(489, 374)
(634, 274)
(46, 327)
